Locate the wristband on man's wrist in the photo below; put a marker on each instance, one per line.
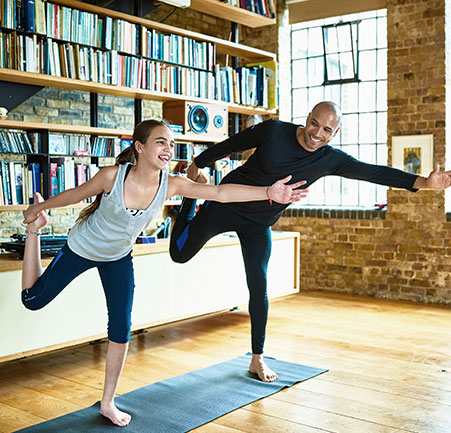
(267, 195)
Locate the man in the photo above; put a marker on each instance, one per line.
(281, 149)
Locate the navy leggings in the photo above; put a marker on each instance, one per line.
(118, 284)
(190, 234)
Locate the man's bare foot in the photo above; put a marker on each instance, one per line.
(42, 219)
(259, 367)
(117, 417)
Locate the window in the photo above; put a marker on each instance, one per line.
(344, 60)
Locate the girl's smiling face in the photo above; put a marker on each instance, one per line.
(158, 149)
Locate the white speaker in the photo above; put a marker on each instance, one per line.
(201, 121)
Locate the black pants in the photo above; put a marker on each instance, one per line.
(118, 284)
(190, 234)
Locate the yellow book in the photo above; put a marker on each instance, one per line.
(273, 86)
(40, 17)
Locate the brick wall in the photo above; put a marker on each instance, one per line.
(406, 255)
(403, 253)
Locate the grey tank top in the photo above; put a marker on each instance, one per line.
(109, 233)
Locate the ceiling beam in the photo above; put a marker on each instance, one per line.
(307, 10)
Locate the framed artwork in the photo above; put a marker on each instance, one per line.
(413, 153)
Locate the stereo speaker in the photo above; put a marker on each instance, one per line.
(200, 121)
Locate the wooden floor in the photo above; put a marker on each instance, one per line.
(389, 368)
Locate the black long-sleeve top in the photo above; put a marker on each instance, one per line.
(279, 154)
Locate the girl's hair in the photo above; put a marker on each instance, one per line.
(140, 133)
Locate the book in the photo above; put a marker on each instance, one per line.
(12, 182)
(18, 182)
(57, 146)
(39, 8)
(29, 15)
(271, 75)
(5, 182)
(53, 179)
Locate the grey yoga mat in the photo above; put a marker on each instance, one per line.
(182, 403)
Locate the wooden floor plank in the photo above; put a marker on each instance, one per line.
(389, 368)
(254, 422)
(371, 406)
(12, 419)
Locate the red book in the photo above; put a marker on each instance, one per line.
(53, 179)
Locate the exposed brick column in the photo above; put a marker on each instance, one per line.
(404, 253)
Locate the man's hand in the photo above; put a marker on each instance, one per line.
(31, 214)
(193, 171)
(282, 193)
(436, 180)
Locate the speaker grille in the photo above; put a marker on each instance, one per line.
(198, 119)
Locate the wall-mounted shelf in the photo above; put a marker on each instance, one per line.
(87, 130)
(222, 46)
(23, 207)
(231, 13)
(15, 76)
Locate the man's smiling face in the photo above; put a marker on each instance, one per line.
(322, 125)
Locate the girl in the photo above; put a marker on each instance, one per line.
(128, 195)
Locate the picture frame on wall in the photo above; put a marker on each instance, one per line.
(413, 153)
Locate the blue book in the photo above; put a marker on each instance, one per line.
(5, 182)
(36, 176)
(19, 15)
(29, 15)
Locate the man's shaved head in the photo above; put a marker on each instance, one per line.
(330, 107)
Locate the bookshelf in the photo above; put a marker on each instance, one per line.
(14, 76)
(220, 46)
(228, 12)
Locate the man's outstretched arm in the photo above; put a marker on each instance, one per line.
(436, 180)
(347, 166)
(244, 140)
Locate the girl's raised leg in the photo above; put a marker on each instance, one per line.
(32, 268)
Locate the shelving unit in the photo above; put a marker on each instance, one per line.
(222, 46)
(217, 8)
(231, 13)
(14, 76)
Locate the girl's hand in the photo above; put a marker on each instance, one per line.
(284, 194)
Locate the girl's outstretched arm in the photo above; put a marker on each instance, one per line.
(279, 191)
(102, 181)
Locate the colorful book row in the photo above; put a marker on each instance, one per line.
(91, 30)
(19, 181)
(261, 7)
(65, 174)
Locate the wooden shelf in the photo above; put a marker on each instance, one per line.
(231, 13)
(55, 127)
(88, 130)
(247, 109)
(22, 207)
(44, 80)
(222, 46)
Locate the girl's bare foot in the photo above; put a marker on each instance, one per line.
(259, 367)
(117, 417)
